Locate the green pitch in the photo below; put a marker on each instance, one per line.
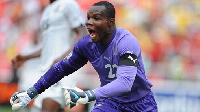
(5, 108)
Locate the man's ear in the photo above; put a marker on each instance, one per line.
(111, 21)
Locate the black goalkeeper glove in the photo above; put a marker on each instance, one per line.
(76, 96)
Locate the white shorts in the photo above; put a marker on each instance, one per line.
(55, 92)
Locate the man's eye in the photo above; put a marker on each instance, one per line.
(96, 18)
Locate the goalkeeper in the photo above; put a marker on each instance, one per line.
(115, 54)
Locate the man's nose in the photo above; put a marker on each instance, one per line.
(88, 22)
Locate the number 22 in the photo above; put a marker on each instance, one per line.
(111, 75)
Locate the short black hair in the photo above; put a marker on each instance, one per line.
(110, 9)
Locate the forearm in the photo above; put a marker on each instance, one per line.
(53, 75)
(33, 55)
(123, 84)
(63, 68)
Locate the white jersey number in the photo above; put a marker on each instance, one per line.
(111, 75)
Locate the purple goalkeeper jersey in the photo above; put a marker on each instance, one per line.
(119, 83)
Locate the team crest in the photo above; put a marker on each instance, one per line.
(101, 104)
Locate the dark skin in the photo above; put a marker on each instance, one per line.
(49, 105)
(100, 27)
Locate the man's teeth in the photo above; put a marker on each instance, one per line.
(92, 35)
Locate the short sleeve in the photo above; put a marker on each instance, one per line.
(74, 14)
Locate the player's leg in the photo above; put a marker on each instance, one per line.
(49, 105)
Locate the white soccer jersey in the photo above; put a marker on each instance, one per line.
(57, 23)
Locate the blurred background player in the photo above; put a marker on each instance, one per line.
(60, 22)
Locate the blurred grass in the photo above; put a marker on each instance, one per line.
(5, 108)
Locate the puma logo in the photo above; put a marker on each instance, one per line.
(134, 60)
(106, 58)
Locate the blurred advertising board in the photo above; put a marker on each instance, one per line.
(177, 96)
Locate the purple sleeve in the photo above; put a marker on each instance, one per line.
(123, 83)
(60, 70)
(129, 44)
(52, 76)
(126, 74)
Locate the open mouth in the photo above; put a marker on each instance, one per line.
(92, 33)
